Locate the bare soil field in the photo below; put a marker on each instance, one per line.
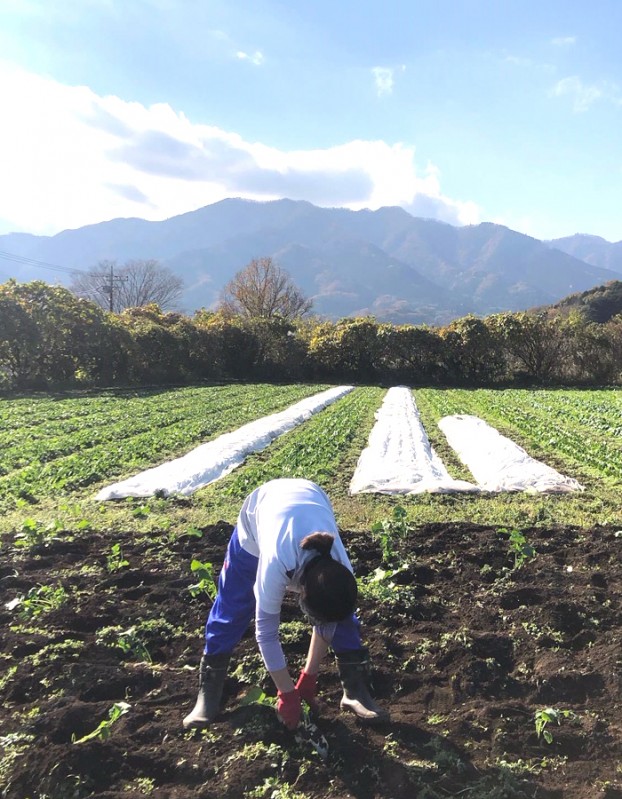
(468, 646)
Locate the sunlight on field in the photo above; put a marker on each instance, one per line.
(59, 450)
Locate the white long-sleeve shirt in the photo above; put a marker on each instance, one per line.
(273, 521)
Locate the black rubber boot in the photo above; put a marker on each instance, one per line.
(212, 673)
(355, 674)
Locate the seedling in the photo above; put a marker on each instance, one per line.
(35, 533)
(256, 696)
(250, 669)
(127, 640)
(550, 715)
(103, 731)
(385, 539)
(141, 511)
(520, 547)
(275, 788)
(115, 560)
(206, 584)
(380, 586)
(38, 600)
(388, 531)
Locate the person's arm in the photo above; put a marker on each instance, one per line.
(288, 705)
(267, 635)
(307, 681)
(282, 680)
(320, 641)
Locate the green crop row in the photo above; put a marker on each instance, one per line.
(50, 416)
(197, 410)
(314, 450)
(575, 427)
(128, 447)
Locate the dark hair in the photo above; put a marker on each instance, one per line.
(328, 588)
(321, 542)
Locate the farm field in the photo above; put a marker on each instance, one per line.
(52, 446)
(493, 620)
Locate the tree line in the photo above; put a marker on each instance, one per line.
(51, 338)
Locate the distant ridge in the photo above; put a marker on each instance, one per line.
(387, 263)
(592, 249)
(599, 304)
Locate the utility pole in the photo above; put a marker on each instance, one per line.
(108, 288)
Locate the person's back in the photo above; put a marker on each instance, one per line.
(286, 537)
(273, 522)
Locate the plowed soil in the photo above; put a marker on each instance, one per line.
(467, 647)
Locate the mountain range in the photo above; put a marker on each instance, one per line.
(398, 267)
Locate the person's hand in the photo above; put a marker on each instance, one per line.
(307, 688)
(288, 708)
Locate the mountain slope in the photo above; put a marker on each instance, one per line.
(385, 262)
(599, 304)
(593, 250)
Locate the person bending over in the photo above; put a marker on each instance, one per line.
(286, 538)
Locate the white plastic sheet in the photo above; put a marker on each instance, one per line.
(399, 458)
(213, 460)
(496, 462)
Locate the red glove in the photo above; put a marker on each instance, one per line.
(288, 708)
(307, 688)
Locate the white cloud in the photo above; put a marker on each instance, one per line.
(71, 158)
(584, 95)
(563, 41)
(383, 80)
(519, 61)
(256, 58)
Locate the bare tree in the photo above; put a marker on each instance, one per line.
(134, 284)
(263, 290)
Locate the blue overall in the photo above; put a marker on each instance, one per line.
(234, 606)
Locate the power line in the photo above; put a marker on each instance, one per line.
(23, 259)
(108, 288)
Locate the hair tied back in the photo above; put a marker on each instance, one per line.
(321, 542)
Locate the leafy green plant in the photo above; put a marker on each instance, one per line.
(36, 533)
(206, 582)
(274, 788)
(12, 747)
(519, 546)
(68, 649)
(8, 675)
(256, 696)
(250, 669)
(39, 599)
(307, 732)
(380, 586)
(136, 641)
(141, 511)
(389, 531)
(384, 537)
(437, 718)
(115, 560)
(550, 715)
(143, 785)
(103, 731)
(129, 641)
(291, 632)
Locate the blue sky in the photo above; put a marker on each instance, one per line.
(507, 111)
